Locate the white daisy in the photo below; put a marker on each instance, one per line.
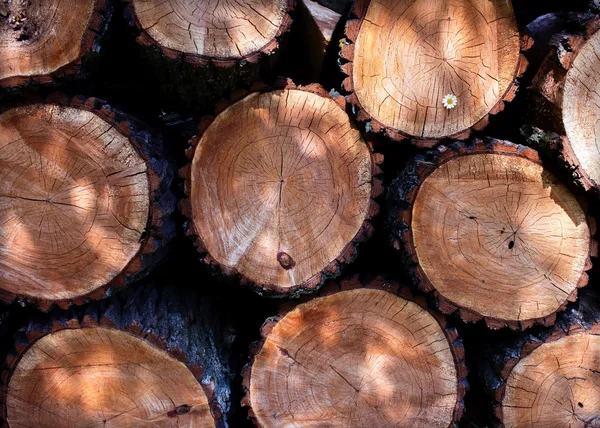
(449, 101)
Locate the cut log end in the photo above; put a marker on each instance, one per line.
(361, 357)
(496, 235)
(409, 55)
(581, 108)
(557, 384)
(100, 377)
(37, 38)
(74, 202)
(213, 30)
(280, 186)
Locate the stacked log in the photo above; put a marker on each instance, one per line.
(151, 356)
(491, 233)
(365, 353)
(85, 201)
(405, 57)
(564, 103)
(41, 41)
(285, 198)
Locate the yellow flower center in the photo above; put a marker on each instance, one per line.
(450, 101)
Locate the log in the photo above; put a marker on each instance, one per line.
(212, 32)
(151, 356)
(548, 377)
(564, 107)
(41, 41)
(362, 354)
(197, 54)
(85, 201)
(491, 233)
(280, 189)
(405, 57)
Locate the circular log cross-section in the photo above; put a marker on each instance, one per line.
(99, 377)
(495, 235)
(219, 31)
(280, 189)
(558, 384)
(581, 108)
(40, 38)
(75, 201)
(360, 358)
(407, 56)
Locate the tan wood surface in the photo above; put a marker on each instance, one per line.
(212, 28)
(280, 185)
(39, 37)
(499, 235)
(558, 384)
(98, 377)
(360, 358)
(74, 201)
(581, 107)
(409, 54)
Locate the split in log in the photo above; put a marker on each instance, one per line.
(491, 233)
(406, 56)
(141, 359)
(281, 188)
(221, 33)
(84, 200)
(564, 103)
(359, 356)
(550, 378)
(43, 40)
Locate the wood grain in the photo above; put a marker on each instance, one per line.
(74, 201)
(222, 29)
(407, 55)
(494, 234)
(359, 358)
(40, 38)
(99, 377)
(280, 186)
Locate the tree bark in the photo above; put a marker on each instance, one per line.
(42, 41)
(363, 353)
(152, 355)
(200, 55)
(549, 376)
(563, 106)
(85, 201)
(491, 233)
(404, 58)
(283, 201)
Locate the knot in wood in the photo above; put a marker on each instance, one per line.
(178, 411)
(285, 260)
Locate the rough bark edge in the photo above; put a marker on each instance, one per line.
(89, 48)
(377, 283)
(160, 228)
(401, 197)
(348, 253)
(498, 368)
(123, 321)
(546, 94)
(197, 60)
(353, 25)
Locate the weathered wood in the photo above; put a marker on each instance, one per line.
(548, 377)
(150, 356)
(281, 188)
(85, 201)
(491, 233)
(564, 106)
(361, 354)
(404, 57)
(41, 41)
